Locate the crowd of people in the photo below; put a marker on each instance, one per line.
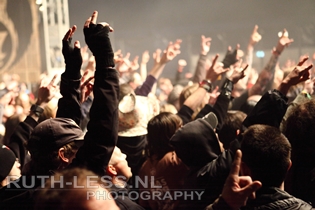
(109, 134)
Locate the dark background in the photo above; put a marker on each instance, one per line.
(149, 24)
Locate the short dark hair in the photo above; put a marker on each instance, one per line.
(231, 124)
(299, 126)
(160, 130)
(43, 161)
(61, 195)
(266, 151)
(124, 89)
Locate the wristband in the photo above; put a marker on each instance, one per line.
(228, 85)
(206, 84)
(37, 110)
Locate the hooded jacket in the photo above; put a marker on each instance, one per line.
(197, 146)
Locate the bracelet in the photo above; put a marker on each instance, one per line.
(206, 84)
(37, 110)
(228, 85)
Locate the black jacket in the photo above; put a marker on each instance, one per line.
(121, 196)
(275, 199)
(99, 141)
(209, 174)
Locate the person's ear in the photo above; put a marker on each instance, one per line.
(61, 154)
(290, 164)
(111, 170)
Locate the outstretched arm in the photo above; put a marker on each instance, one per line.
(69, 104)
(201, 70)
(172, 50)
(273, 104)
(265, 79)
(23, 131)
(102, 134)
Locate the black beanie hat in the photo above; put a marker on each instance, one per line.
(7, 160)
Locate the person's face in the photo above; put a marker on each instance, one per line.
(15, 172)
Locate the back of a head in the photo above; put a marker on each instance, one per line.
(124, 89)
(232, 123)
(47, 138)
(266, 151)
(186, 92)
(74, 188)
(160, 129)
(299, 127)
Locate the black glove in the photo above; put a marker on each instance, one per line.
(97, 38)
(73, 60)
(229, 59)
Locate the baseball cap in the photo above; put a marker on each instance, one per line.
(54, 133)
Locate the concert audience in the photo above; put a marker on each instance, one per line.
(224, 137)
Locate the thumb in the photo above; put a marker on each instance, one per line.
(77, 44)
(249, 190)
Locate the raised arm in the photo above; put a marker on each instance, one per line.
(265, 79)
(273, 104)
(143, 66)
(22, 132)
(172, 50)
(254, 39)
(69, 104)
(201, 70)
(195, 99)
(102, 134)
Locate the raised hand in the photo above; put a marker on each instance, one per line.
(46, 91)
(205, 44)
(72, 55)
(171, 51)
(214, 96)
(124, 64)
(97, 38)
(215, 70)
(230, 57)
(86, 85)
(283, 42)
(145, 57)
(118, 56)
(134, 65)
(91, 64)
(238, 73)
(237, 189)
(299, 74)
(255, 36)
(181, 64)
(157, 56)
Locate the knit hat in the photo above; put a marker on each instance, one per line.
(7, 160)
(54, 133)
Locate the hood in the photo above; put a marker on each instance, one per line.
(196, 143)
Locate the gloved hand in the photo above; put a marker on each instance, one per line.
(72, 56)
(230, 58)
(97, 38)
